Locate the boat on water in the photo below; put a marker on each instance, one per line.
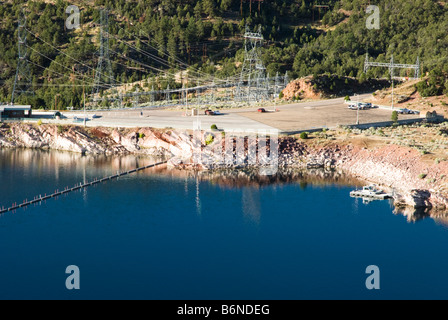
(370, 192)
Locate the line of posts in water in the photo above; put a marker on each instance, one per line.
(79, 186)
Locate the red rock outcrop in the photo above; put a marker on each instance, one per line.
(301, 88)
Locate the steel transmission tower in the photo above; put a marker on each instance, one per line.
(253, 71)
(23, 80)
(103, 74)
(392, 66)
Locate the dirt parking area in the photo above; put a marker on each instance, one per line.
(319, 114)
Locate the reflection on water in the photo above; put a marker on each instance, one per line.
(198, 197)
(26, 174)
(171, 234)
(414, 215)
(232, 179)
(30, 160)
(37, 164)
(251, 204)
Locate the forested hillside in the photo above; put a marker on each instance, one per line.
(408, 29)
(153, 40)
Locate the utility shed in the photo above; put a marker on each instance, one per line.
(15, 112)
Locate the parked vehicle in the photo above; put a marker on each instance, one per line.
(363, 106)
(261, 110)
(209, 113)
(80, 120)
(408, 111)
(360, 106)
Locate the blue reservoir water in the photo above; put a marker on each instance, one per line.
(171, 235)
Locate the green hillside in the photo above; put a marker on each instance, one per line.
(154, 40)
(408, 29)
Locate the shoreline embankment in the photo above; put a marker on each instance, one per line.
(392, 167)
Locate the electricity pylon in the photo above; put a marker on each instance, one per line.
(104, 74)
(253, 71)
(23, 80)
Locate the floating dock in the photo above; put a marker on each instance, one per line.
(361, 194)
(79, 186)
(370, 193)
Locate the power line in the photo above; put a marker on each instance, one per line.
(149, 55)
(54, 61)
(62, 52)
(61, 74)
(392, 66)
(143, 64)
(150, 67)
(104, 78)
(188, 67)
(169, 55)
(158, 59)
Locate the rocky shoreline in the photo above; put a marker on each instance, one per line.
(391, 167)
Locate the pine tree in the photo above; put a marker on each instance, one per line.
(209, 8)
(225, 5)
(160, 39)
(191, 32)
(172, 49)
(198, 10)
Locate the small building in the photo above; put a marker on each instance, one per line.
(15, 112)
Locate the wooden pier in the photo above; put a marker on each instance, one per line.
(57, 193)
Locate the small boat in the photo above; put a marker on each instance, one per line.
(370, 192)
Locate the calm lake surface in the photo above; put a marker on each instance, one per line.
(171, 235)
